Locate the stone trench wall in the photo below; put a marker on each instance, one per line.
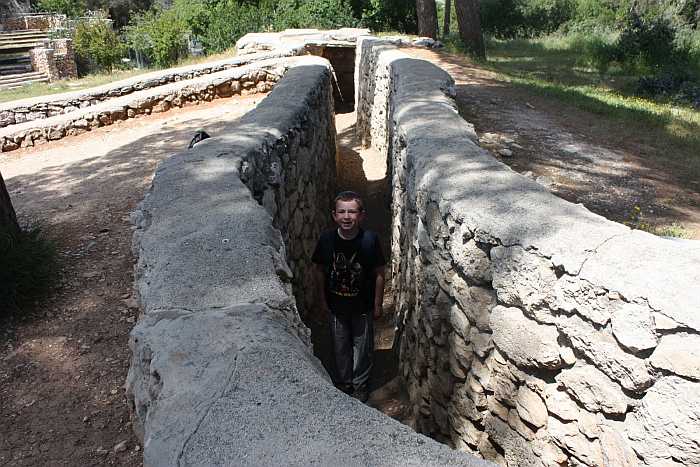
(246, 80)
(530, 330)
(24, 110)
(222, 370)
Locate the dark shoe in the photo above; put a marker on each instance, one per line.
(361, 393)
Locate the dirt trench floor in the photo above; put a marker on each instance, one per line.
(608, 166)
(62, 369)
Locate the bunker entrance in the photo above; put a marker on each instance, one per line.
(342, 59)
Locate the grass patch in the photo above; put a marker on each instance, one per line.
(559, 67)
(28, 267)
(97, 79)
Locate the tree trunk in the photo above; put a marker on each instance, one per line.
(8, 219)
(469, 21)
(426, 12)
(446, 23)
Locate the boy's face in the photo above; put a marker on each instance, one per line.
(348, 215)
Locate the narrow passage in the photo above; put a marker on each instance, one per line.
(364, 171)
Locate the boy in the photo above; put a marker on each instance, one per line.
(350, 273)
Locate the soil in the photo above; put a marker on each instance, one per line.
(608, 166)
(64, 364)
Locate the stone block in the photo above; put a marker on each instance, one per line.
(524, 341)
(679, 354)
(530, 407)
(593, 389)
(633, 327)
(521, 278)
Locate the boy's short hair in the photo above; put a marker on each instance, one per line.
(349, 196)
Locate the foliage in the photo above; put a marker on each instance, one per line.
(390, 15)
(217, 24)
(28, 265)
(161, 34)
(70, 8)
(636, 220)
(524, 18)
(95, 41)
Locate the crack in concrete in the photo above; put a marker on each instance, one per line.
(595, 252)
(224, 390)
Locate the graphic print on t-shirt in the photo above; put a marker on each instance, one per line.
(345, 275)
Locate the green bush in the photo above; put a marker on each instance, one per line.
(96, 42)
(161, 35)
(70, 8)
(218, 24)
(390, 15)
(28, 267)
(509, 19)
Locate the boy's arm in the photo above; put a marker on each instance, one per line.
(378, 291)
(321, 284)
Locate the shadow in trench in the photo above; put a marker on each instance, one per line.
(364, 171)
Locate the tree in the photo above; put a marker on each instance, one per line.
(8, 218)
(70, 8)
(96, 42)
(446, 23)
(427, 18)
(469, 21)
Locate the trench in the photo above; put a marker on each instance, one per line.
(364, 171)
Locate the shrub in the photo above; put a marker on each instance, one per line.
(161, 35)
(96, 42)
(218, 24)
(390, 15)
(28, 266)
(508, 19)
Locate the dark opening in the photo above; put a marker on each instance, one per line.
(343, 61)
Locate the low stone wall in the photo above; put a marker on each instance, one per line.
(531, 331)
(20, 111)
(35, 21)
(257, 78)
(222, 370)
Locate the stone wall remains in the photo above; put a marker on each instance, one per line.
(43, 22)
(64, 54)
(245, 80)
(531, 331)
(43, 61)
(20, 111)
(57, 61)
(222, 369)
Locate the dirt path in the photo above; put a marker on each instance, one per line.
(63, 369)
(608, 166)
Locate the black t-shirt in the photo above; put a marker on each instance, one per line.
(349, 266)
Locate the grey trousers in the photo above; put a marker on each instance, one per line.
(353, 344)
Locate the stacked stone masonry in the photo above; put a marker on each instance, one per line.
(222, 371)
(42, 22)
(259, 77)
(56, 61)
(530, 330)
